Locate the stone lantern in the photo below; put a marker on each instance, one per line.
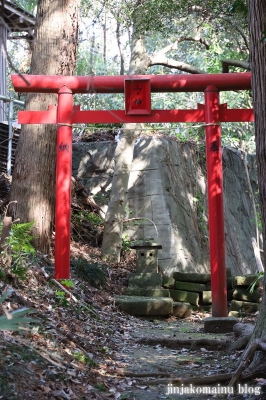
(146, 256)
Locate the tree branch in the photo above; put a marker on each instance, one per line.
(234, 63)
(173, 46)
(239, 30)
(170, 63)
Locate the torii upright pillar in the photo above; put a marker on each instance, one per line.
(215, 202)
(63, 183)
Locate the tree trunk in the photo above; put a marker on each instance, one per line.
(115, 215)
(33, 181)
(257, 25)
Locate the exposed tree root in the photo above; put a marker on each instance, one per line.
(191, 343)
(129, 374)
(257, 344)
(193, 380)
(243, 332)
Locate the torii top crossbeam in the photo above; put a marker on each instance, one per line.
(115, 84)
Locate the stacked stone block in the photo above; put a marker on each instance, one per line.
(192, 288)
(195, 289)
(243, 301)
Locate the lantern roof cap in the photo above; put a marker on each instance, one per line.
(145, 244)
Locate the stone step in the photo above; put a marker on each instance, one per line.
(219, 324)
(147, 292)
(243, 294)
(245, 306)
(181, 295)
(181, 309)
(190, 286)
(138, 305)
(191, 277)
(145, 280)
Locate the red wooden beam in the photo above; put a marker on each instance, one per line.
(63, 183)
(119, 116)
(215, 202)
(115, 84)
(236, 114)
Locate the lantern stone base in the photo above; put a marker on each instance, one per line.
(145, 280)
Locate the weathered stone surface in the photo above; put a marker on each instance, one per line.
(241, 293)
(182, 309)
(165, 178)
(207, 297)
(168, 282)
(146, 260)
(190, 286)
(189, 297)
(219, 325)
(244, 306)
(147, 292)
(233, 314)
(145, 280)
(246, 280)
(160, 306)
(191, 277)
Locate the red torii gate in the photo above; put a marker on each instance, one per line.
(137, 89)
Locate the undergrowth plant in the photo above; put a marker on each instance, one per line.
(93, 272)
(18, 248)
(15, 320)
(259, 276)
(85, 216)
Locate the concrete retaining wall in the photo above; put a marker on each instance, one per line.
(168, 185)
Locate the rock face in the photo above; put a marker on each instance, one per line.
(168, 185)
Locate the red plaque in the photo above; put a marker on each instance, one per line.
(138, 96)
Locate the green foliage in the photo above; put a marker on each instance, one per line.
(258, 277)
(84, 359)
(61, 295)
(126, 242)
(15, 320)
(67, 282)
(27, 5)
(83, 216)
(238, 6)
(101, 387)
(61, 298)
(94, 273)
(263, 36)
(18, 249)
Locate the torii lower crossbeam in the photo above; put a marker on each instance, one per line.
(137, 100)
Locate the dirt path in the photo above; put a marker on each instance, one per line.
(159, 364)
(138, 359)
